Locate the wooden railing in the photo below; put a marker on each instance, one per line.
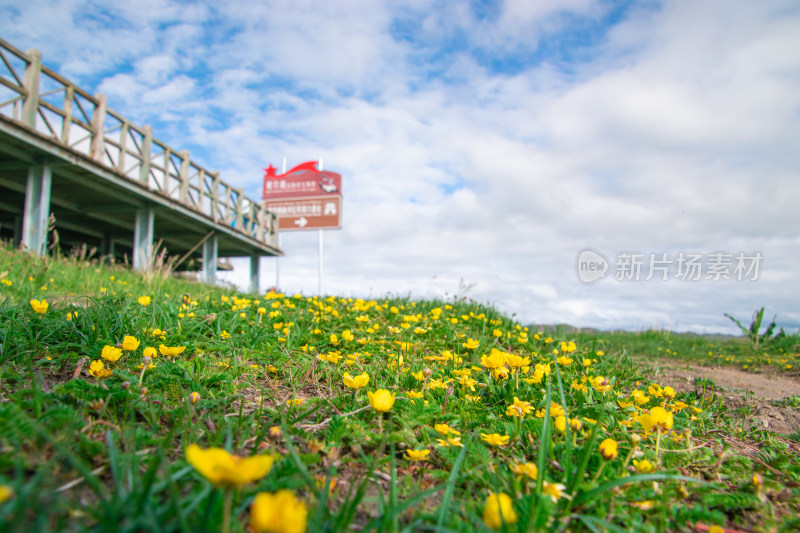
(57, 109)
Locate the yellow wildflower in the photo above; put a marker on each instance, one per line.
(495, 439)
(381, 400)
(608, 449)
(111, 353)
(525, 469)
(496, 359)
(98, 370)
(519, 408)
(657, 418)
(150, 352)
(6, 493)
(417, 455)
(471, 344)
(499, 510)
(445, 430)
(355, 382)
(554, 490)
(644, 466)
(224, 469)
(39, 307)
(561, 424)
(279, 512)
(171, 350)
(129, 343)
(144, 301)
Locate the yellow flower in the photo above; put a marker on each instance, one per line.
(194, 397)
(294, 402)
(525, 469)
(98, 370)
(355, 382)
(6, 493)
(608, 449)
(6, 282)
(444, 430)
(561, 424)
(564, 360)
(499, 510)
(39, 307)
(519, 408)
(381, 400)
(224, 335)
(450, 441)
(227, 470)
(417, 455)
(279, 512)
(715, 529)
(414, 395)
(658, 418)
(150, 352)
(171, 350)
(554, 490)
(471, 344)
(516, 362)
(144, 301)
(129, 343)
(110, 353)
(644, 466)
(640, 397)
(496, 359)
(495, 439)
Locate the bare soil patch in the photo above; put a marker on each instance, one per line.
(737, 389)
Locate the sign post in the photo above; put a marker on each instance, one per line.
(304, 198)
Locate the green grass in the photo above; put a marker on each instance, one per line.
(89, 454)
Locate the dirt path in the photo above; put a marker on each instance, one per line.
(733, 385)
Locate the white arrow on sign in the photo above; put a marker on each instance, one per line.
(302, 221)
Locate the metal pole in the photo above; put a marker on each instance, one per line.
(320, 262)
(320, 247)
(280, 240)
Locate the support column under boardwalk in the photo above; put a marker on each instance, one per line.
(210, 260)
(255, 261)
(143, 239)
(36, 216)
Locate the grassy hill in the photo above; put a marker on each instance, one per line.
(122, 398)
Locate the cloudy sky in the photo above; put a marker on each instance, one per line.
(483, 145)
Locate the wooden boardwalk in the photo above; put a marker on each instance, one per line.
(70, 163)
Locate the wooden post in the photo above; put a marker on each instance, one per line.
(184, 176)
(215, 196)
(147, 145)
(69, 95)
(123, 140)
(239, 208)
(30, 106)
(98, 146)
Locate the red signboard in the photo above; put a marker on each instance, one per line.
(302, 181)
(321, 212)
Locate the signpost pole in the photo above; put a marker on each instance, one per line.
(320, 263)
(277, 257)
(320, 247)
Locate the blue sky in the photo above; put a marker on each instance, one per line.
(482, 145)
